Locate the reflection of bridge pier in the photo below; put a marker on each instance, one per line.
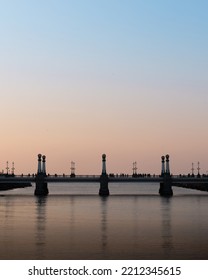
(104, 236)
(166, 234)
(41, 227)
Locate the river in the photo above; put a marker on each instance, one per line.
(73, 222)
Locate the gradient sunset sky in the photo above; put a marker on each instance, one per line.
(128, 78)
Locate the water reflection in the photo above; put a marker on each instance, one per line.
(104, 234)
(7, 208)
(166, 230)
(135, 216)
(114, 227)
(7, 214)
(41, 226)
(71, 219)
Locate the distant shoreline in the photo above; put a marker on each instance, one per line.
(11, 185)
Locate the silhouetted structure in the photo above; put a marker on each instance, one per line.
(134, 169)
(72, 169)
(104, 191)
(41, 185)
(163, 166)
(166, 180)
(166, 185)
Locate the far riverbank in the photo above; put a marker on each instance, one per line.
(11, 185)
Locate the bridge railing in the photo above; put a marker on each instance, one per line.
(180, 176)
(92, 176)
(57, 175)
(69, 176)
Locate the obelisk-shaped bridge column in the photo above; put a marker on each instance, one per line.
(41, 186)
(163, 166)
(104, 191)
(166, 185)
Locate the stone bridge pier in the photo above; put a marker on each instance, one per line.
(104, 191)
(41, 186)
(166, 185)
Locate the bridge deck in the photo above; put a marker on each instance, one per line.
(96, 178)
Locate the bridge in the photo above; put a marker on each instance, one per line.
(165, 179)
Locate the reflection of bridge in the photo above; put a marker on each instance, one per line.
(165, 179)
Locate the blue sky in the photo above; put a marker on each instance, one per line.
(164, 41)
(136, 70)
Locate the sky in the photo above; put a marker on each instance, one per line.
(126, 78)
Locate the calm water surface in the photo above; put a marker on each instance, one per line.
(133, 223)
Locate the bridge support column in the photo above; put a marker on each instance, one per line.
(41, 186)
(104, 191)
(166, 185)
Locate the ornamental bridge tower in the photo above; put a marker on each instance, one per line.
(166, 185)
(41, 186)
(104, 191)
